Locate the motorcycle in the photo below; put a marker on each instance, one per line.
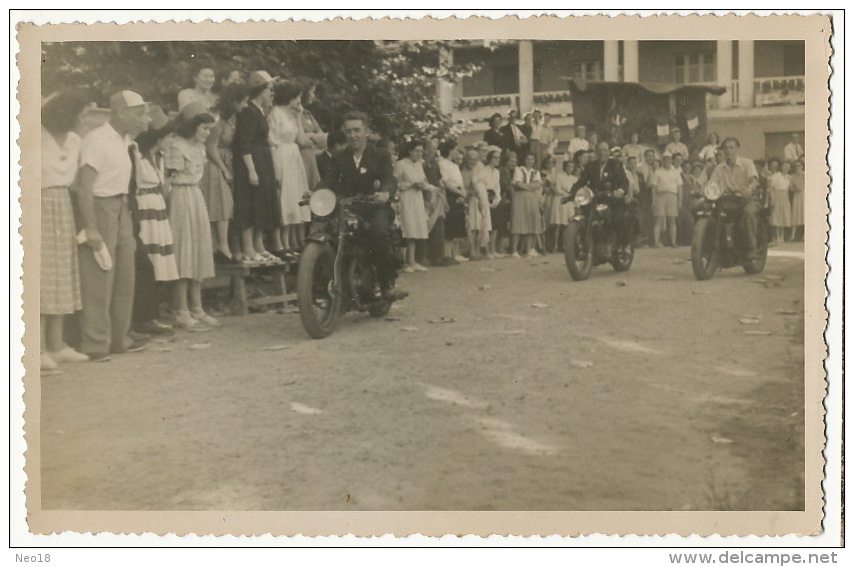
(335, 274)
(591, 239)
(718, 241)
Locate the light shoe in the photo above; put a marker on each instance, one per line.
(533, 254)
(515, 255)
(184, 320)
(490, 256)
(408, 270)
(68, 354)
(461, 259)
(419, 268)
(205, 318)
(48, 363)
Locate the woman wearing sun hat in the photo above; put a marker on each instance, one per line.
(256, 200)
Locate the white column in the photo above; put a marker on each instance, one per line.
(526, 75)
(631, 61)
(612, 60)
(724, 72)
(444, 89)
(745, 73)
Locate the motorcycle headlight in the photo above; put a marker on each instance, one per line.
(713, 191)
(322, 202)
(583, 196)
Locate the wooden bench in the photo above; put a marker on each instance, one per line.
(237, 274)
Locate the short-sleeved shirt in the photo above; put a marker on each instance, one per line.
(451, 174)
(106, 151)
(667, 180)
(187, 158)
(59, 163)
(677, 148)
(577, 144)
(736, 178)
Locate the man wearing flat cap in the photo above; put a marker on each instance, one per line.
(102, 197)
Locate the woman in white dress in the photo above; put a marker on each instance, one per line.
(411, 181)
(285, 137)
(778, 191)
(492, 183)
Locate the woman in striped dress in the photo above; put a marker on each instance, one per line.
(188, 217)
(59, 289)
(155, 258)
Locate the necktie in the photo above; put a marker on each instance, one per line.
(132, 155)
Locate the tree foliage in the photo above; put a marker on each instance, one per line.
(394, 82)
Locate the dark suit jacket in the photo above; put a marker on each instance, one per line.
(613, 177)
(347, 181)
(510, 140)
(494, 138)
(324, 163)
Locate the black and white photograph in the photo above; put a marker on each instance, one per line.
(569, 267)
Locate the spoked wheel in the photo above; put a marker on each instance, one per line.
(756, 265)
(577, 251)
(318, 306)
(704, 253)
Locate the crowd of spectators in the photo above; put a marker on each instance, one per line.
(147, 202)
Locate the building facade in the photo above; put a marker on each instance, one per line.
(763, 104)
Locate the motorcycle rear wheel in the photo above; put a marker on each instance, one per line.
(318, 307)
(577, 251)
(362, 277)
(704, 255)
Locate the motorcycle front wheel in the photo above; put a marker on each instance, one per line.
(578, 251)
(318, 306)
(756, 265)
(623, 260)
(704, 254)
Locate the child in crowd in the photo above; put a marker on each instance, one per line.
(185, 162)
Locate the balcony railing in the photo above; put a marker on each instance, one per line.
(768, 91)
(476, 108)
(779, 91)
(480, 108)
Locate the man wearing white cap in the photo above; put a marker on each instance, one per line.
(102, 197)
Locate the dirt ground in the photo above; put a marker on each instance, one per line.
(651, 395)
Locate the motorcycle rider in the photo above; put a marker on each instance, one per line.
(362, 169)
(738, 175)
(608, 174)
